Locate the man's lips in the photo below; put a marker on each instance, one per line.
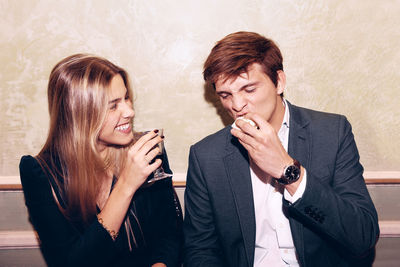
(239, 115)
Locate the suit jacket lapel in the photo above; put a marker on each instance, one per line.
(237, 167)
(299, 137)
(299, 148)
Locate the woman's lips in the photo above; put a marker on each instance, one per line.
(125, 128)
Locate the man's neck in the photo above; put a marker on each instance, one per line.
(278, 115)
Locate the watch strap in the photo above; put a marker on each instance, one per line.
(284, 180)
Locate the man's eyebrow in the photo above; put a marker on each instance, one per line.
(249, 85)
(241, 88)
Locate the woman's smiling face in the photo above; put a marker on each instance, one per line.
(117, 127)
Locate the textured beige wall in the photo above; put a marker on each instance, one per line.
(339, 56)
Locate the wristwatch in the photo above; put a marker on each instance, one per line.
(291, 173)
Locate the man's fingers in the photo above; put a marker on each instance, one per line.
(243, 138)
(246, 127)
(261, 123)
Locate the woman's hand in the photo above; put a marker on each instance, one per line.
(137, 168)
(138, 164)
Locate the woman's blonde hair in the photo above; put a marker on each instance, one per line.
(78, 100)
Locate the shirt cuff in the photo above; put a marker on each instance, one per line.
(299, 192)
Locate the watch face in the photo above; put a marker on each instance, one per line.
(292, 173)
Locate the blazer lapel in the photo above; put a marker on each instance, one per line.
(299, 137)
(237, 167)
(299, 148)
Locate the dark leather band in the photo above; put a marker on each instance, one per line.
(284, 180)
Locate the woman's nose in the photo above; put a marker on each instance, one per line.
(128, 111)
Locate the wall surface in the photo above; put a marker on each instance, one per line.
(339, 56)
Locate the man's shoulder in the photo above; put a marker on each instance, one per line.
(316, 117)
(213, 142)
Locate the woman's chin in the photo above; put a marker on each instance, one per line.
(120, 143)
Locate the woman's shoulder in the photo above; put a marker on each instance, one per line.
(38, 180)
(31, 172)
(27, 162)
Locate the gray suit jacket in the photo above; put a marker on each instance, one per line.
(334, 223)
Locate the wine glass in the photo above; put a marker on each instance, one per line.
(159, 173)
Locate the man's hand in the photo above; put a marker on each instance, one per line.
(263, 145)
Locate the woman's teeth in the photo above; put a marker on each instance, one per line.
(122, 127)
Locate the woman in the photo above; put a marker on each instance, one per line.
(84, 190)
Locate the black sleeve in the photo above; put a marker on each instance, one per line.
(166, 220)
(61, 243)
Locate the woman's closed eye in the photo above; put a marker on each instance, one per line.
(113, 106)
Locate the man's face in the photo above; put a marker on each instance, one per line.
(253, 91)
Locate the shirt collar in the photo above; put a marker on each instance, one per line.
(283, 133)
(286, 116)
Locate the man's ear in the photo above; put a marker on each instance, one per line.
(281, 85)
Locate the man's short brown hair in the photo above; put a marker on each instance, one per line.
(232, 56)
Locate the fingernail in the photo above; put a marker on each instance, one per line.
(156, 130)
(162, 136)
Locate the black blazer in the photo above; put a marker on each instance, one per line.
(334, 223)
(64, 244)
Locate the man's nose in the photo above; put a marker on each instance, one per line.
(238, 103)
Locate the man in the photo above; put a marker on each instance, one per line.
(288, 191)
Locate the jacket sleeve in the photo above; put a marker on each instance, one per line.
(61, 243)
(202, 247)
(336, 204)
(167, 236)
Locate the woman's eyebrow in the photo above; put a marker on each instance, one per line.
(117, 99)
(114, 101)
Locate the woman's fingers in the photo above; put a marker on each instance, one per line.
(150, 145)
(143, 140)
(143, 152)
(145, 144)
(149, 157)
(153, 166)
(140, 162)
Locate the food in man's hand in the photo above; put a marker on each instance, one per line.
(252, 123)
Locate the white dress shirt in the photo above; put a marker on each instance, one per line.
(274, 243)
